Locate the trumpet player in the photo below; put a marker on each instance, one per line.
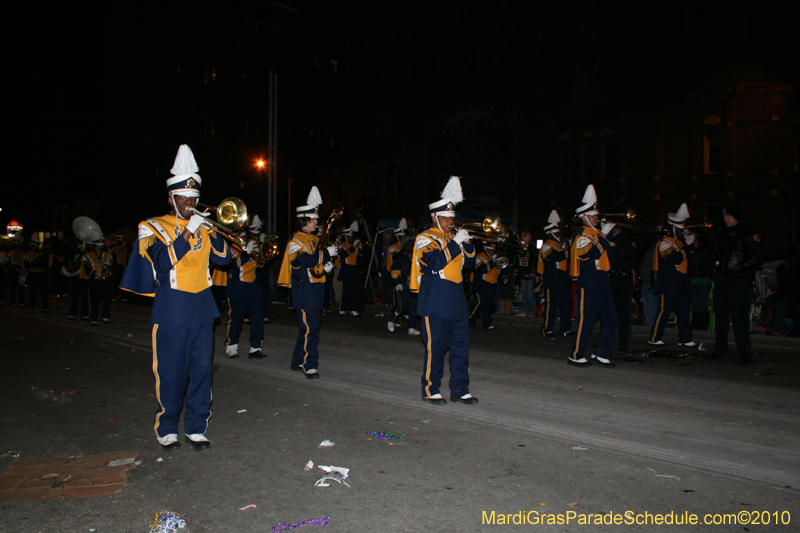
(439, 257)
(589, 264)
(671, 286)
(255, 233)
(552, 266)
(352, 300)
(484, 286)
(301, 271)
(244, 301)
(170, 261)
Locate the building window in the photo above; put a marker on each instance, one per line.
(712, 152)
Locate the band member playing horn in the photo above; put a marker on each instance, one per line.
(484, 286)
(244, 301)
(671, 287)
(352, 300)
(438, 260)
(170, 261)
(300, 272)
(552, 266)
(589, 264)
(96, 270)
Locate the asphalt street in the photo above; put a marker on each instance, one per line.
(665, 433)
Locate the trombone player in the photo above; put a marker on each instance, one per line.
(436, 268)
(589, 263)
(671, 287)
(302, 271)
(170, 261)
(552, 266)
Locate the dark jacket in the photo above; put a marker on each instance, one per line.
(737, 251)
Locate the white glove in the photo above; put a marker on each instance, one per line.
(607, 227)
(195, 222)
(250, 247)
(328, 267)
(689, 237)
(333, 250)
(398, 288)
(461, 236)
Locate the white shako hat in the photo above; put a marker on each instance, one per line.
(401, 228)
(677, 219)
(311, 209)
(589, 206)
(185, 181)
(256, 224)
(451, 196)
(352, 229)
(552, 222)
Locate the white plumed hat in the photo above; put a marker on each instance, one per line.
(552, 221)
(451, 196)
(311, 209)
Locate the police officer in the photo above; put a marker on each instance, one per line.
(671, 287)
(589, 264)
(737, 252)
(439, 257)
(552, 266)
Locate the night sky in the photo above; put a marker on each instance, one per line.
(96, 108)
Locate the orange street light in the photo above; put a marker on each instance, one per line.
(260, 163)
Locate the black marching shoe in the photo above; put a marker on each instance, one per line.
(297, 368)
(436, 399)
(548, 334)
(468, 399)
(567, 333)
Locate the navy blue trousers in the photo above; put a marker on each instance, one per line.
(439, 335)
(352, 291)
(182, 368)
(558, 297)
(306, 353)
(485, 297)
(97, 289)
(674, 298)
(248, 305)
(732, 305)
(595, 300)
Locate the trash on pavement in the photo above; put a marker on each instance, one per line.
(334, 473)
(579, 448)
(283, 526)
(168, 522)
(309, 465)
(574, 505)
(51, 478)
(55, 394)
(251, 506)
(662, 475)
(326, 444)
(385, 436)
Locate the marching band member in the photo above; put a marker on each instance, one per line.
(589, 264)
(262, 271)
(35, 273)
(244, 301)
(436, 275)
(552, 266)
(121, 253)
(15, 264)
(404, 301)
(484, 286)
(170, 261)
(96, 271)
(78, 289)
(303, 270)
(352, 299)
(671, 287)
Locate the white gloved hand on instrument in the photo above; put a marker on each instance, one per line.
(195, 222)
(328, 267)
(333, 250)
(250, 247)
(606, 227)
(461, 236)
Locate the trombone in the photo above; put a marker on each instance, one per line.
(231, 215)
(489, 230)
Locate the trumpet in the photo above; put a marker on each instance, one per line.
(489, 230)
(265, 251)
(231, 215)
(704, 225)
